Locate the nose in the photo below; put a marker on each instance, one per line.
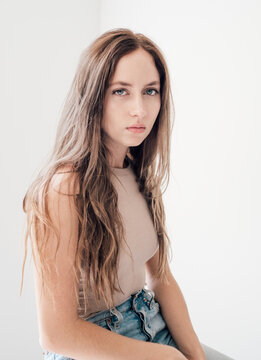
(138, 107)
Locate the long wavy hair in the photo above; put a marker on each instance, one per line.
(79, 144)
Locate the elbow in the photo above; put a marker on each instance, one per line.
(48, 344)
(52, 341)
(56, 339)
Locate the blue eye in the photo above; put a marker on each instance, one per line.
(156, 91)
(117, 92)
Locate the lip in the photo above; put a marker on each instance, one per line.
(136, 129)
(137, 126)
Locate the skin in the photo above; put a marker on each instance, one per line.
(136, 103)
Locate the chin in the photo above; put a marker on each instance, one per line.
(136, 143)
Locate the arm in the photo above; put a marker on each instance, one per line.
(174, 311)
(87, 341)
(61, 330)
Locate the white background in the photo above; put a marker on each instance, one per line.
(213, 200)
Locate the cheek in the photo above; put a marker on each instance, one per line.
(159, 103)
(155, 108)
(113, 108)
(113, 102)
(109, 120)
(107, 113)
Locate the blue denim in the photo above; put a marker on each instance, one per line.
(138, 317)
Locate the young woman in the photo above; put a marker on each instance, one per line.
(96, 219)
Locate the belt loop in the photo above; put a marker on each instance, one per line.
(135, 295)
(117, 313)
(151, 292)
(152, 299)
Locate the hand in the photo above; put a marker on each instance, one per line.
(199, 356)
(165, 352)
(174, 354)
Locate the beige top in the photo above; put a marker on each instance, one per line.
(140, 235)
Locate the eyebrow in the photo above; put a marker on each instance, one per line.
(127, 84)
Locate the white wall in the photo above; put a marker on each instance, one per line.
(40, 45)
(213, 200)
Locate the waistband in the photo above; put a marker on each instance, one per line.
(147, 295)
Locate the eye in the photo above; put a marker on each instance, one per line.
(156, 91)
(117, 91)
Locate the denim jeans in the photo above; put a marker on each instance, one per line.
(138, 317)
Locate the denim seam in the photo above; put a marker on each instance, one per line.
(142, 315)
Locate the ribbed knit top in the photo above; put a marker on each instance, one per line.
(140, 235)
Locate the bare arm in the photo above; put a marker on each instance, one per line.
(88, 341)
(175, 312)
(61, 330)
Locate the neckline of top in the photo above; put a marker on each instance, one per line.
(121, 171)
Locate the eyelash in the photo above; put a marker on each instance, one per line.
(114, 91)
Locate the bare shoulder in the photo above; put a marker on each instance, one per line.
(65, 181)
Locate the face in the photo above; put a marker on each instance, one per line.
(131, 99)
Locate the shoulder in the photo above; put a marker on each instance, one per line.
(65, 181)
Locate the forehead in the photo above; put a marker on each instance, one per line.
(137, 66)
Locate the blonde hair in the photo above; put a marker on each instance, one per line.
(79, 144)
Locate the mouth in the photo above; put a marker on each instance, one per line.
(136, 129)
